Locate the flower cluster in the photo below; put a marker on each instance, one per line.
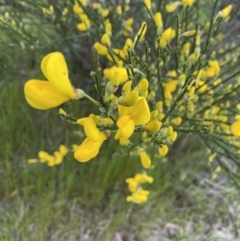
(164, 78)
(138, 195)
(51, 160)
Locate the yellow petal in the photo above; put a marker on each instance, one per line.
(130, 98)
(63, 150)
(126, 126)
(101, 49)
(171, 7)
(90, 129)
(43, 95)
(171, 86)
(235, 128)
(187, 2)
(153, 126)
(163, 150)
(55, 69)
(122, 73)
(139, 112)
(89, 149)
(145, 160)
(226, 11)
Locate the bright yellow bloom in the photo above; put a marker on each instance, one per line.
(126, 87)
(105, 39)
(128, 26)
(213, 69)
(186, 49)
(90, 128)
(226, 11)
(89, 149)
(138, 197)
(145, 160)
(126, 127)
(189, 33)
(187, 2)
(171, 7)
(32, 160)
(143, 177)
(77, 9)
(57, 90)
(85, 24)
(132, 184)
(158, 20)
(167, 37)
(122, 73)
(148, 3)
(130, 98)
(163, 150)
(171, 86)
(101, 49)
(132, 116)
(143, 85)
(141, 32)
(119, 9)
(173, 136)
(104, 12)
(153, 126)
(177, 121)
(63, 150)
(235, 128)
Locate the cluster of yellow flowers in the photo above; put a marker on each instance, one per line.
(51, 160)
(171, 87)
(138, 195)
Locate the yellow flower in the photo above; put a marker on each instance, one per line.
(171, 7)
(145, 160)
(57, 90)
(119, 9)
(153, 126)
(141, 32)
(226, 11)
(105, 39)
(187, 2)
(77, 9)
(163, 150)
(140, 196)
(213, 69)
(235, 128)
(171, 86)
(90, 128)
(158, 20)
(63, 150)
(126, 127)
(142, 85)
(148, 3)
(143, 177)
(189, 33)
(86, 23)
(89, 149)
(132, 184)
(177, 121)
(167, 37)
(122, 73)
(101, 49)
(132, 116)
(126, 87)
(32, 160)
(129, 98)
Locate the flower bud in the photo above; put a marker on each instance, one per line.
(163, 150)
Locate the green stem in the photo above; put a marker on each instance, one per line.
(91, 99)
